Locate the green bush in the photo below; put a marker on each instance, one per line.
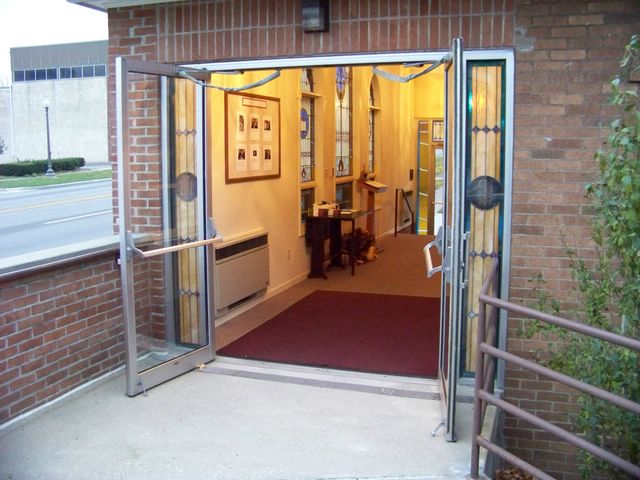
(35, 167)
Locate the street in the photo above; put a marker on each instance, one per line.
(33, 219)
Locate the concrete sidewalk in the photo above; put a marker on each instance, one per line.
(242, 420)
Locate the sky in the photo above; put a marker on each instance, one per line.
(26, 23)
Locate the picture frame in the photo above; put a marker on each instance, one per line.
(252, 137)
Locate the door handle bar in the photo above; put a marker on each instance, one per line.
(431, 270)
(175, 248)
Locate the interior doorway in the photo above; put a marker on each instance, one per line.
(430, 168)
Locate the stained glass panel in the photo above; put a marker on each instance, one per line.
(485, 157)
(343, 122)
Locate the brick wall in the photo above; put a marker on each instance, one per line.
(58, 329)
(569, 52)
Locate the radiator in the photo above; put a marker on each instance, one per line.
(241, 271)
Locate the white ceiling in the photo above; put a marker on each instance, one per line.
(104, 5)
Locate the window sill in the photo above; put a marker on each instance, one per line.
(28, 263)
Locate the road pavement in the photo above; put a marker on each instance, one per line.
(33, 219)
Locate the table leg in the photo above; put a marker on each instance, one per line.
(352, 252)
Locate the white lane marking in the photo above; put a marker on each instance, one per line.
(78, 217)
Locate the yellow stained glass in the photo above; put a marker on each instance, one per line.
(185, 210)
(485, 160)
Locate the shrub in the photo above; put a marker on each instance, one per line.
(34, 167)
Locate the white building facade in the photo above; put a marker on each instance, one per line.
(72, 80)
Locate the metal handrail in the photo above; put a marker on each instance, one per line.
(175, 248)
(484, 381)
(413, 216)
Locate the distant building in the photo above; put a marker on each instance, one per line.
(72, 78)
(5, 123)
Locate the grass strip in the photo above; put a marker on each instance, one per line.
(60, 178)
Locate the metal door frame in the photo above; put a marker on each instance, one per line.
(454, 243)
(139, 382)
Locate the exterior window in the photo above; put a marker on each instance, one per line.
(65, 72)
(52, 73)
(344, 145)
(100, 70)
(18, 76)
(41, 74)
(87, 71)
(29, 75)
(76, 72)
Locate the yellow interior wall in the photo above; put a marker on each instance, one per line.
(273, 204)
(270, 204)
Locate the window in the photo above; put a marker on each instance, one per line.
(52, 73)
(41, 74)
(100, 70)
(344, 195)
(307, 197)
(87, 71)
(18, 76)
(307, 143)
(65, 72)
(307, 127)
(373, 109)
(76, 72)
(344, 145)
(344, 141)
(29, 75)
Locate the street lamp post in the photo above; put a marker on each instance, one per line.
(49, 172)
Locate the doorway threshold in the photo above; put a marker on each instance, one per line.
(380, 384)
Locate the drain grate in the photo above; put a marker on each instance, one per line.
(312, 382)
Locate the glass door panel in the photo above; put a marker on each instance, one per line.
(165, 258)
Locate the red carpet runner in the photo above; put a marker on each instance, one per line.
(391, 334)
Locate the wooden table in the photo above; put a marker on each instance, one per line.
(321, 227)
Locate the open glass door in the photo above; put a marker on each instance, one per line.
(162, 219)
(451, 240)
(477, 206)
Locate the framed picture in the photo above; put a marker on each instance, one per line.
(252, 137)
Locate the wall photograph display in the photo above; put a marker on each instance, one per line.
(252, 137)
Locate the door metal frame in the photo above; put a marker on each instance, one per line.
(454, 268)
(458, 264)
(138, 382)
(505, 261)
